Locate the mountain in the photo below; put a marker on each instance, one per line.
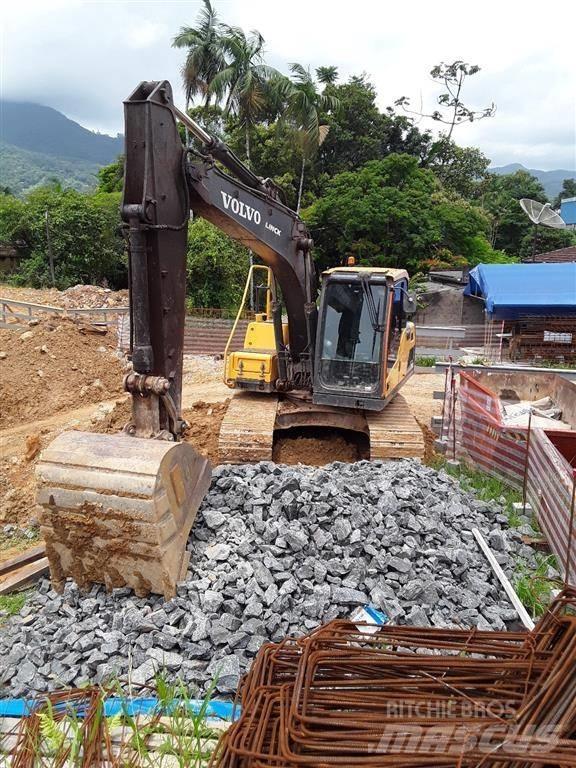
(550, 180)
(38, 143)
(45, 130)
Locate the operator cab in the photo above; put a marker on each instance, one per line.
(365, 346)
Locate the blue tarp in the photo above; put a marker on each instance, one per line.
(514, 290)
(216, 709)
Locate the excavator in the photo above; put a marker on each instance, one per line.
(118, 509)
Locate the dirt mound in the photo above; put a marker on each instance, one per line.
(55, 365)
(116, 419)
(17, 491)
(79, 296)
(72, 298)
(204, 420)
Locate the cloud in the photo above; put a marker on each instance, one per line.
(145, 34)
(84, 58)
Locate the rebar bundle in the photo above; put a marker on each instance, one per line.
(411, 697)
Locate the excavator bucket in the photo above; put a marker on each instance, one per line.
(117, 510)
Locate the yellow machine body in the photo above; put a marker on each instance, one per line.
(402, 368)
(256, 364)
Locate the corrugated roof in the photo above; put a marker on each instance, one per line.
(558, 256)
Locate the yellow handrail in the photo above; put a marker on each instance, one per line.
(253, 267)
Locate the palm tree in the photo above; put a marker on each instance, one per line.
(245, 80)
(327, 75)
(205, 57)
(304, 105)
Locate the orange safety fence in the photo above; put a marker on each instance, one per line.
(540, 463)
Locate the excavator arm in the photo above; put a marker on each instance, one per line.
(163, 182)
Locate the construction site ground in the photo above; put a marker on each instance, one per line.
(60, 378)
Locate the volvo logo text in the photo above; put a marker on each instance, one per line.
(240, 208)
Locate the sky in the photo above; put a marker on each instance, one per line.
(83, 58)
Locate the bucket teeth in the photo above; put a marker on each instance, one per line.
(117, 510)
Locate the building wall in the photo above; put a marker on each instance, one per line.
(447, 305)
(568, 211)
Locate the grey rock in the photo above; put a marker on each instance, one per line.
(400, 564)
(346, 596)
(417, 618)
(165, 659)
(218, 552)
(144, 673)
(213, 518)
(211, 601)
(226, 670)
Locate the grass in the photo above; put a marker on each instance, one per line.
(486, 488)
(533, 586)
(12, 604)
(175, 734)
(426, 361)
(569, 365)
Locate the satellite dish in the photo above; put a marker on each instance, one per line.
(542, 213)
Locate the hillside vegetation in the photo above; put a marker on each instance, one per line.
(22, 170)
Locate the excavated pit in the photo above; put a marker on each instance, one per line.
(316, 446)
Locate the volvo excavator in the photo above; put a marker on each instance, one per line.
(118, 509)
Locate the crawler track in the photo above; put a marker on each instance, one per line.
(395, 433)
(247, 432)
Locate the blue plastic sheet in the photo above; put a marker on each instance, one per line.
(223, 710)
(515, 290)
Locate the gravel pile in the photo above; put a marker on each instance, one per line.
(278, 550)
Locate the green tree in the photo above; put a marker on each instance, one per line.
(500, 200)
(304, 106)
(275, 155)
(111, 177)
(204, 54)
(359, 132)
(85, 237)
(391, 212)
(327, 75)
(544, 240)
(12, 211)
(568, 190)
(217, 267)
(460, 169)
(245, 82)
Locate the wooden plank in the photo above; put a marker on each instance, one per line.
(536, 542)
(23, 558)
(24, 575)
